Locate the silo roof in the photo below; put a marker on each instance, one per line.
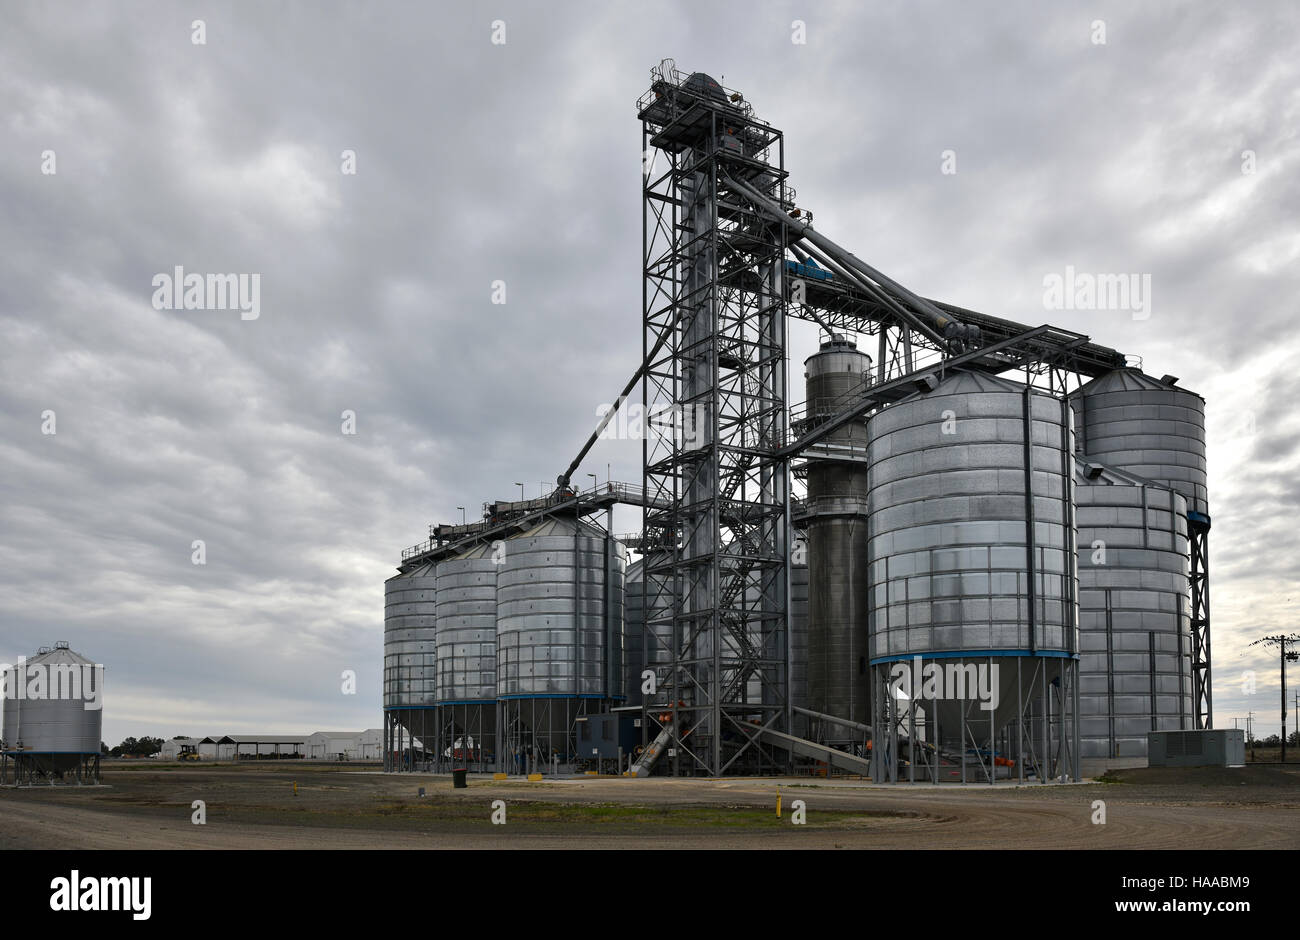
(417, 572)
(557, 525)
(59, 656)
(965, 382)
(1128, 380)
(478, 551)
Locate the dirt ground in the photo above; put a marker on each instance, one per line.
(146, 806)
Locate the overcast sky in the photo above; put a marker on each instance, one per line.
(520, 162)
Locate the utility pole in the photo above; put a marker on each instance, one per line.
(1282, 641)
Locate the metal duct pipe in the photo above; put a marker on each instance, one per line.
(948, 326)
(849, 275)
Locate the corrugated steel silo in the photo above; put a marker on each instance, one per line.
(647, 647)
(559, 637)
(634, 652)
(954, 556)
(838, 682)
(1150, 427)
(467, 627)
(410, 659)
(53, 723)
(1131, 421)
(556, 621)
(1134, 612)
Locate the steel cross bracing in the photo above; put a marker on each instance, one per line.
(716, 489)
(1198, 530)
(1042, 736)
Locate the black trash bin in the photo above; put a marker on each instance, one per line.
(458, 777)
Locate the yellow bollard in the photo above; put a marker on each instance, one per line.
(778, 802)
(295, 788)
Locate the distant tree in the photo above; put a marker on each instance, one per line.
(180, 737)
(148, 746)
(141, 747)
(127, 746)
(103, 748)
(1273, 740)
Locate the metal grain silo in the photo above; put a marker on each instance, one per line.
(1134, 612)
(53, 717)
(1131, 421)
(410, 665)
(559, 632)
(552, 611)
(647, 647)
(467, 654)
(836, 525)
(467, 627)
(972, 554)
(634, 638)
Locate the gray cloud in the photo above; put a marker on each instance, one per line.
(478, 162)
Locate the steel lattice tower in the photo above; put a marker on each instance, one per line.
(715, 385)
